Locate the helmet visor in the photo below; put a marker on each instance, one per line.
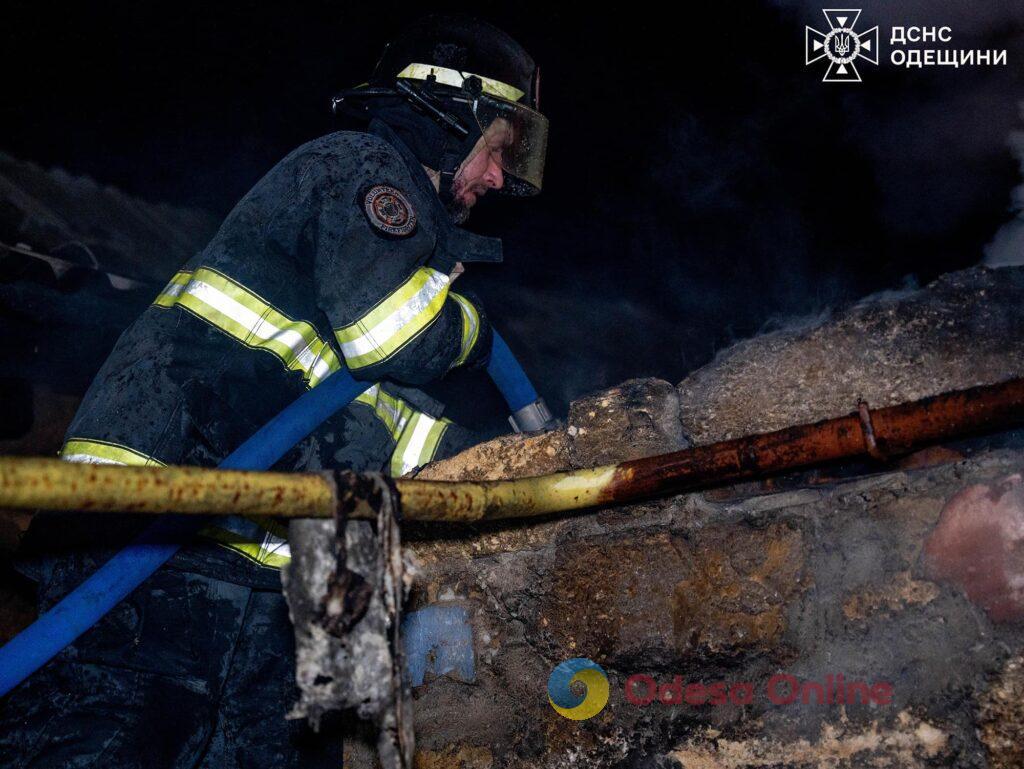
(517, 138)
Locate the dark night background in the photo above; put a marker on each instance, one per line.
(702, 183)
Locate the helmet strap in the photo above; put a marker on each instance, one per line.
(457, 137)
(451, 158)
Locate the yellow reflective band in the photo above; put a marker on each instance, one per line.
(455, 78)
(169, 295)
(272, 551)
(104, 453)
(470, 327)
(418, 443)
(248, 318)
(395, 320)
(394, 412)
(416, 434)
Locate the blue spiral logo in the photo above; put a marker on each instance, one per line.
(588, 677)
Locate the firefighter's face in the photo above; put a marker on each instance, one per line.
(481, 170)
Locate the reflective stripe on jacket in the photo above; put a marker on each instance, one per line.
(303, 278)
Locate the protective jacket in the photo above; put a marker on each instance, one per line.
(340, 256)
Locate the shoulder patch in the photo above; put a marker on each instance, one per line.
(389, 210)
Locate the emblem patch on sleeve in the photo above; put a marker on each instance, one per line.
(389, 210)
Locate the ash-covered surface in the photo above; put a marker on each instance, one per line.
(811, 582)
(79, 260)
(76, 218)
(809, 577)
(329, 672)
(345, 587)
(965, 329)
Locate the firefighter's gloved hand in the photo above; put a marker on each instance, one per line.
(534, 417)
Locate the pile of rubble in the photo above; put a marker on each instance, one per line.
(849, 616)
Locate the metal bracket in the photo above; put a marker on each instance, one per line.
(869, 432)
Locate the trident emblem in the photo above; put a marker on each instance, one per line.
(841, 45)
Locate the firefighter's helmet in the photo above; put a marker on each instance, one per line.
(457, 69)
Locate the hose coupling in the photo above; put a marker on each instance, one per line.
(533, 417)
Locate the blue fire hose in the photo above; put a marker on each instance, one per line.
(529, 412)
(84, 606)
(509, 376)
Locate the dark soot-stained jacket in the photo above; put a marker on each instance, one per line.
(339, 257)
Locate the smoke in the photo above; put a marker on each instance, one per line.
(736, 193)
(937, 134)
(1007, 247)
(702, 185)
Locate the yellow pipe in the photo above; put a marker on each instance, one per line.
(465, 502)
(52, 484)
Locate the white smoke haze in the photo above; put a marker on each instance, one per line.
(1007, 247)
(951, 116)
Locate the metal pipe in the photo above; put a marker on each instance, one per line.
(52, 484)
(55, 485)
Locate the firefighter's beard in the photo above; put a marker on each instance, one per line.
(458, 211)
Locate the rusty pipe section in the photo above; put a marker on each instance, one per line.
(876, 432)
(879, 433)
(56, 485)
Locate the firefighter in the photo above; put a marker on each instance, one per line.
(343, 256)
